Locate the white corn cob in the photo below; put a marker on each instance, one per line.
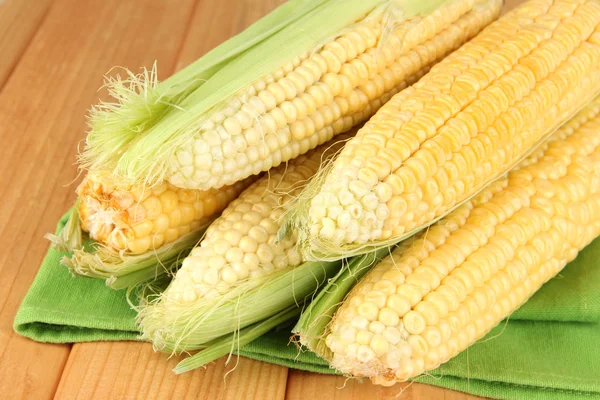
(322, 93)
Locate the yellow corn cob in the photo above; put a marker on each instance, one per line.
(241, 243)
(323, 93)
(437, 294)
(137, 219)
(469, 120)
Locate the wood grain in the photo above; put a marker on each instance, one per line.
(19, 20)
(128, 370)
(42, 119)
(306, 385)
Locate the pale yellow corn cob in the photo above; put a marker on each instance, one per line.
(137, 219)
(241, 244)
(470, 119)
(440, 292)
(323, 93)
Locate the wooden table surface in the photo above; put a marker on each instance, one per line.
(53, 54)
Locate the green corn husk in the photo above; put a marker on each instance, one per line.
(229, 344)
(313, 322)
(176, 327)
(120, 270)
(140, 153)
(70, 237)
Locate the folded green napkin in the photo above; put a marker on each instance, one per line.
(549, 348)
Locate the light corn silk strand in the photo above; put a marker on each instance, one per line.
(146, 159)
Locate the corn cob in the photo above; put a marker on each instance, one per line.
(319, 95)
(466, 122)
(140, 219)
(238, 261)
(441, 291)
(241, 245)
(242, 128)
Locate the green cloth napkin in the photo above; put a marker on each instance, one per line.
(549, 348)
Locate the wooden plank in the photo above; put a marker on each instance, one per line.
(42, 119)
(306, 385)
(129, 370)
(19, 20)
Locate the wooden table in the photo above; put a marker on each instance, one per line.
(53, 54)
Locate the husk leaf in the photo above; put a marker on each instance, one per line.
(120, 270)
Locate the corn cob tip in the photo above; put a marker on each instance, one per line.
(138, 219)
(175, 325)
(135, 233)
